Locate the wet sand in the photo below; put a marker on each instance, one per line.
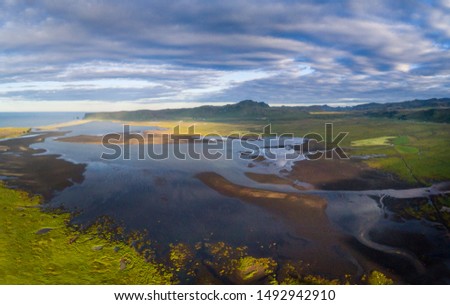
(99, 140)
(275, 179)
(334, 174)
(344, 174)
(149, 137)
(39, 174)
(314, 239)
(55, 127)
(228, 188)
(352, 239)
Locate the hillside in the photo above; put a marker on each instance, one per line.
(431, 110)
(246, 109)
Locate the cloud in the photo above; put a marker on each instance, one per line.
(195, 51)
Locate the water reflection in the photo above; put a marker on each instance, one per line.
(164, 198)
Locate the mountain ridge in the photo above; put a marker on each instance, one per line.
(435, 110)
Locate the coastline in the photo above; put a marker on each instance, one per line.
(53, 127)
(38, 174)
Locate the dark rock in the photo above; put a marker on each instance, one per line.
(123, 263)
(43, 231)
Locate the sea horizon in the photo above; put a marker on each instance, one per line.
(36, 119)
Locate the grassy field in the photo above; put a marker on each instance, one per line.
(373, 142)
(416, 151)
(204, 128)
(11, 132)
(39, 248)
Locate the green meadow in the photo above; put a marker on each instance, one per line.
(415, 151)
(39, 247)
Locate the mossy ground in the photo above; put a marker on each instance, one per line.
(39, 248)
(434, 208)
(249, 268)
(372, 141)
(378, 278)
(11, 132)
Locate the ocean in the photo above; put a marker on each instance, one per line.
(36, 119)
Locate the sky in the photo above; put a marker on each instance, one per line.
(94, 55)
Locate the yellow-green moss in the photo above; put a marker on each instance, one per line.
(378, 278)
(12, 132)
(250, 268)
(295, 274)
(319, 280)
(39, 248)
(373, 141)
(180, 256)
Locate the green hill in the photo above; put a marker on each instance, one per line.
(432, 110)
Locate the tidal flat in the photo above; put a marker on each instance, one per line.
(245, 220)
